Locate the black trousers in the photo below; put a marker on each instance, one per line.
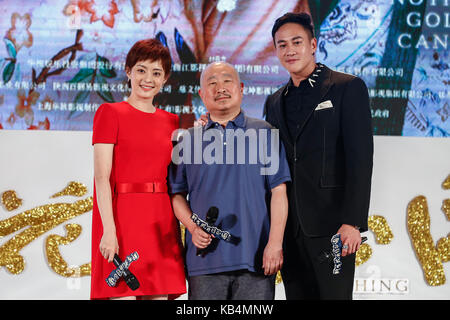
(305, 278)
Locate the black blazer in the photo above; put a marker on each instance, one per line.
(330, 158)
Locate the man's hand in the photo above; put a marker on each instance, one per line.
(200, 238)
(183, 212)
(202, 121)
(273, 252)
(272, 259)
(351, 239)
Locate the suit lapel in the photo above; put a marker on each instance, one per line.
(280, 116)
(322, 91)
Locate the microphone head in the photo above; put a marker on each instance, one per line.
(212, 215)
(132, 282)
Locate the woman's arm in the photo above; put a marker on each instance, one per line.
(103, 155)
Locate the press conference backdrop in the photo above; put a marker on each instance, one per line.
(60, 60)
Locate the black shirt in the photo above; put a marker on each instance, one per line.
(297, 99)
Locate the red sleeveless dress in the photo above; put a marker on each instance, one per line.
(144, 219)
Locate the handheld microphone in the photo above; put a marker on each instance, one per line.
(122, 272)
(328, 255)
(211, 218)
(128, 276)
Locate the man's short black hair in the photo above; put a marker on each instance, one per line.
(301, 18)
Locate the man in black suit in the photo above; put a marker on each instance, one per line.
(325, 124)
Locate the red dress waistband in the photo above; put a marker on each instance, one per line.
(143, 187)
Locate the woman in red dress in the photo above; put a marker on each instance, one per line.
(132, 210)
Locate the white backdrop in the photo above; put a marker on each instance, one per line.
(38, 164)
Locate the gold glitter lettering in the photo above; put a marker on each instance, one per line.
(10, 200)
(383, 235)
(183, 234)
(74, 188)
(419, 232)
(363, 254)
(381, 229)
(40, 220)
(446, 208)
(446, 183)
(443, 247)
(430, 257)
(446, 203)
(278, 278)
(54, 258)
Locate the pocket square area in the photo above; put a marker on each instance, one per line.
(324, 105)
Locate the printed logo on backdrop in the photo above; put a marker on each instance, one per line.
(375, 284)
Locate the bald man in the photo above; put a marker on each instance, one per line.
(238, 165)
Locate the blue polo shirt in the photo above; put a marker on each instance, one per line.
(233, 169)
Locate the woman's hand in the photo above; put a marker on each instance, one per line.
(109, 245)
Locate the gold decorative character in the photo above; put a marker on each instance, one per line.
(40, 220)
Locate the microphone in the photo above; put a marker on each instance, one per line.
(211, 218)
(122, 272)
(128, 276)
(328, 255)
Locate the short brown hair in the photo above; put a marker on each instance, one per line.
(301, 18)
(149, 49)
